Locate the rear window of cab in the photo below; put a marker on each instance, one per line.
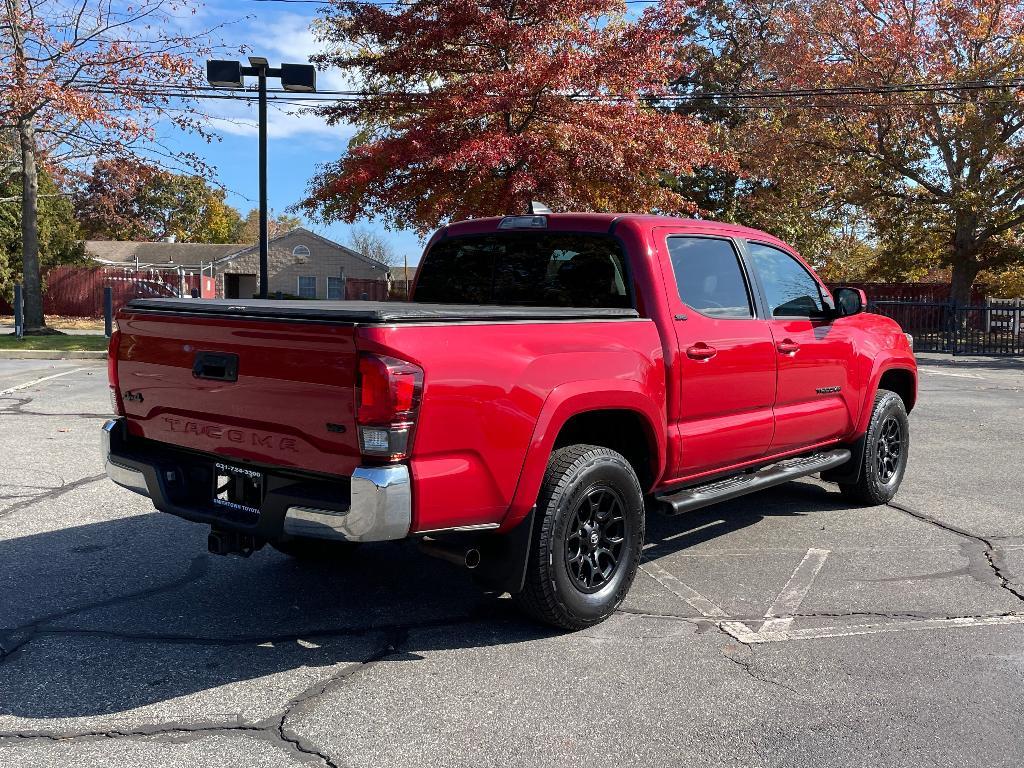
(544, 269)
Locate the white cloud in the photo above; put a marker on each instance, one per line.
(280, 36)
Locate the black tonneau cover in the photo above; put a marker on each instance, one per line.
(373, 311)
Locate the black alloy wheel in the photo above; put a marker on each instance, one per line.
(889, 449)
(593, 547)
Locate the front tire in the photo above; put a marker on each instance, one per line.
(587, 538)
(886, 450)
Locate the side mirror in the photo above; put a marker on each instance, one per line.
(850, 301)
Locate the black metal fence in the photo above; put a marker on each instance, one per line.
(997, 328)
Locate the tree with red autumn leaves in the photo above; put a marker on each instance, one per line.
(86, 80)
(476, 108)
(930, 111)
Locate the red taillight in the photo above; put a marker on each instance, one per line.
(116, 404)
(389, 398)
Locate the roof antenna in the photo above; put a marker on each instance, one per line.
(538, 207)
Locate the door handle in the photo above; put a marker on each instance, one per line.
(701, 351)
(788, 347)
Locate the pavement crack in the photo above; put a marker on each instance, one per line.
(39, 626)
(992, 559)
(146, 731)
(747, 666)
(52, 493)
(300, 703)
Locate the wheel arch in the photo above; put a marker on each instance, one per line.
(623, 418)
(903, 382)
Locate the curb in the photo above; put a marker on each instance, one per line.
(51, 354)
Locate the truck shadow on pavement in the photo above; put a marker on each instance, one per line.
(113, 616)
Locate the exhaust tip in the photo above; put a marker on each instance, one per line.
(472, 558)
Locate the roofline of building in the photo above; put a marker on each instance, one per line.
(247, 249)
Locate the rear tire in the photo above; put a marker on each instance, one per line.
(886, 450)
(587, 538)
(315, 550)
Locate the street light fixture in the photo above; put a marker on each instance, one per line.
(300, 78)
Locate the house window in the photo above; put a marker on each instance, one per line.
(307, 286)
(300, 250)
(335, 287)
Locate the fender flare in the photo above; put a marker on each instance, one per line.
(572, 399)
(882, 365)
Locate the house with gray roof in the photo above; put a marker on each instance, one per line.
(301, 263)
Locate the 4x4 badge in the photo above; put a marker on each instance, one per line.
(828, 390)
(134, 396)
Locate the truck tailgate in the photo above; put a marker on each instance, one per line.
(289, 403)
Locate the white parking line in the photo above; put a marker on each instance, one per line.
(40, 381)
(779, 616)
(951, 373)
(744, 634)
(687, 594)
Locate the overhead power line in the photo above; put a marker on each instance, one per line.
(836, 97)
(340, 96)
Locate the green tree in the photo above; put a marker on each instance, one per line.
(153, 204)
(59, 233)
(277, 224)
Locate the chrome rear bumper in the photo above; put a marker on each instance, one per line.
(379, 509)
(126, 477)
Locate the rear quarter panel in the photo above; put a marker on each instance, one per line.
(496, 394)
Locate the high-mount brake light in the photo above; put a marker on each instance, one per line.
(389, 392)
(523, 222)
(116, 404)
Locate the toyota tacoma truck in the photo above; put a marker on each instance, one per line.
(552, 378)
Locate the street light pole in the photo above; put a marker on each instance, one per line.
(294, 77)
(264, 223)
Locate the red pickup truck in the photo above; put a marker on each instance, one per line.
(553, 377)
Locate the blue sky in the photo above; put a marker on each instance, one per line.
(296, 144)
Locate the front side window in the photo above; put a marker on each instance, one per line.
(335, 288)
(789, 288)
(709, 277)
(307, 286)
(544, 269)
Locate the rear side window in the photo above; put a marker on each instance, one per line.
(709, 277)
(789, 288)
(525, 269)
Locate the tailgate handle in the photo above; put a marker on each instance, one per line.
(220, 366)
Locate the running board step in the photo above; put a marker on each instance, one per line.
(740, 485)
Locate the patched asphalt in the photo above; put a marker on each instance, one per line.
(896, 639)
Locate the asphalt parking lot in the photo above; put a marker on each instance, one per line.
(783, 629)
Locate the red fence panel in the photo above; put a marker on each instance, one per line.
(371, 290)
(78, 291)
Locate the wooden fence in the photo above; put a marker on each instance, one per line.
(74, 291)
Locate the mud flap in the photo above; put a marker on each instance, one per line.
(850, 471)
(503, 559)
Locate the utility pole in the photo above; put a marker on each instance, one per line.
(261, 67)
